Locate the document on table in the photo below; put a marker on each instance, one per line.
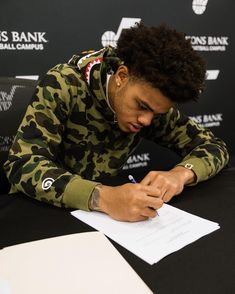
(154, 238)
(76, 263)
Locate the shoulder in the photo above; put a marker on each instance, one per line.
(67, 72)
(64, 76)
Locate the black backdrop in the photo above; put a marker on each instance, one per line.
(35, 35)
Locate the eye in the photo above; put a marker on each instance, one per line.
(142, 106)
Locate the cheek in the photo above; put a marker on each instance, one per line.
(126, 112)
(125, 108)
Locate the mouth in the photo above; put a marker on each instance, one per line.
(134, 128)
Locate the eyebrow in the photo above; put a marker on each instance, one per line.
(149, 108)
(146, 105)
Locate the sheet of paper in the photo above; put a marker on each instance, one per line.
(154, 238)
(78, 263)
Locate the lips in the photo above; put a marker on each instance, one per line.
(134, 128)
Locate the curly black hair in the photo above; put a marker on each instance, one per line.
(164, 58)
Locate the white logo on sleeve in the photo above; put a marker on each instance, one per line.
(47, 182)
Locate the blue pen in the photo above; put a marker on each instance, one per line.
(132, 179)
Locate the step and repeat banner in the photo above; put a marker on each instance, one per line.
(36, 35)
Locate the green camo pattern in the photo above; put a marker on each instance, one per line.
(68, 140)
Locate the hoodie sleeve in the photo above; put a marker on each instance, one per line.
(33, 166)
(199, 149)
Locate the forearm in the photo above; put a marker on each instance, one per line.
(45, 181)
(195, 145)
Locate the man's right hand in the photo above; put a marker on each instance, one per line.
(130, 202)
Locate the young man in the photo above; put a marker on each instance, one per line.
(87, 117)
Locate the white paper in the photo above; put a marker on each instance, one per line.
(154, 238)
(84, 263)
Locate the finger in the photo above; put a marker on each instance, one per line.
(146, 180)
(152, 177)
(153, 202)
(148, 212)
(160, 190)
(156, 188)
(167, 196)
(152, 191)
(163, 193)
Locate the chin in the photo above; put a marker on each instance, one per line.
(123, 128)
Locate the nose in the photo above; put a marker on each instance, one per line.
(145, 118)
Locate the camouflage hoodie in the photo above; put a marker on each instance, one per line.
(69, 141)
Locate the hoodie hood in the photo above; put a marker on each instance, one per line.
(95, 67)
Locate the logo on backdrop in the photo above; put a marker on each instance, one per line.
(208, 120)
(212, 74)
(14, 40)
(199, 6)
(209, 43)
(109, 38)
(6, 98)
(136, 161)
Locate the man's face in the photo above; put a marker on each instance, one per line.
(136, 103)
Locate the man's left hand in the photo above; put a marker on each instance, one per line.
(171, 182)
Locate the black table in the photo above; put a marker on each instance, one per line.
(205, 266)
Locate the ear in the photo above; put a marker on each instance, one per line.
(122, 75)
